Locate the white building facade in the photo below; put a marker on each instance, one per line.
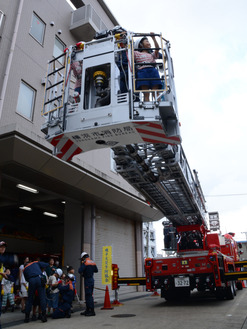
(93, 206)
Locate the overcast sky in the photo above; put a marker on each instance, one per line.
(209, 50)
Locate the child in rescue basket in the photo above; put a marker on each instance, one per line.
(8, 291)
(143, 56)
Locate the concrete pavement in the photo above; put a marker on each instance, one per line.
(142, 310)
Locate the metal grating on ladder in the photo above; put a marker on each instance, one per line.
(161, 173)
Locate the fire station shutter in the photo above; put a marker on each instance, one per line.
(119, 233)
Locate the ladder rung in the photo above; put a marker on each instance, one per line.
(54, 59)
(57, 70)
(54, 85)
(52, 100)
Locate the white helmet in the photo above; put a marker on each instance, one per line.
(59, 272)
(83, 254)
(137, 43)
(71, 276)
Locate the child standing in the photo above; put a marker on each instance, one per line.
(144, 56)
(8, 291)
(53, 282)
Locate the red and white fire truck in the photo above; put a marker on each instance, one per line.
(97, 105)
(203, 261)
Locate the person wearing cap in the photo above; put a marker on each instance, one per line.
(53, 283)
(87, 270)
(5, 260)
(33, 273)
(67, 295)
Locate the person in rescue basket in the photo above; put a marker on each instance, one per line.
(87, 270)
(34, 276)
(145, 57)
(5, 259)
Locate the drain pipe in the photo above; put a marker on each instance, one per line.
(93, 218)
(11, 53)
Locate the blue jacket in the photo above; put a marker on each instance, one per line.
(88, 268)
(67, 292)
(33, 269)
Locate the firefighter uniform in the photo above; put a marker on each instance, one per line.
(33, 275)
(64, 308)
(87, 270)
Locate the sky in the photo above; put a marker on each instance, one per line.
(209, 50)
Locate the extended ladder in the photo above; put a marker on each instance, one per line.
(162, 174)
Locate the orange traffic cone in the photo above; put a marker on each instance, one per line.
(243, 284)
(107, 303)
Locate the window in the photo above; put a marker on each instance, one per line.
(25, 102)
(58, 49)
(37, 29)
(1, 18)
(1, 21)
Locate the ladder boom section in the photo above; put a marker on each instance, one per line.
(162, 174)
(94, 100)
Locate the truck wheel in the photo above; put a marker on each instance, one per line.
(220, 293)
(239, 285)
(230, 291)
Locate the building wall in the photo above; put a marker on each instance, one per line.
(119, 233)
(29, 64)
(27, 60)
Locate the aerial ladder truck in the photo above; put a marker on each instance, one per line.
(145, 139)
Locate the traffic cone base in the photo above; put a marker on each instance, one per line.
(107, 303)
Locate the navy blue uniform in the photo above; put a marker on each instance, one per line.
(33, 275)
(67, 294)
(87, 269)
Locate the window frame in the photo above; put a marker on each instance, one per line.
(30, 31)
(64, 46)
(30, 118)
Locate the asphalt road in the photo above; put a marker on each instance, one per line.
(142, 310)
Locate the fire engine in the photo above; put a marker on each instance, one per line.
(203, 261)
(92, 102)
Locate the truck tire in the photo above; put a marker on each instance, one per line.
(230, 291)
(239, 285)
(220, 293)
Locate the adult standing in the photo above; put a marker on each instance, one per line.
(5, 259)
(33, 274)
(87, 270)
(50, 269)
(23, 284)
